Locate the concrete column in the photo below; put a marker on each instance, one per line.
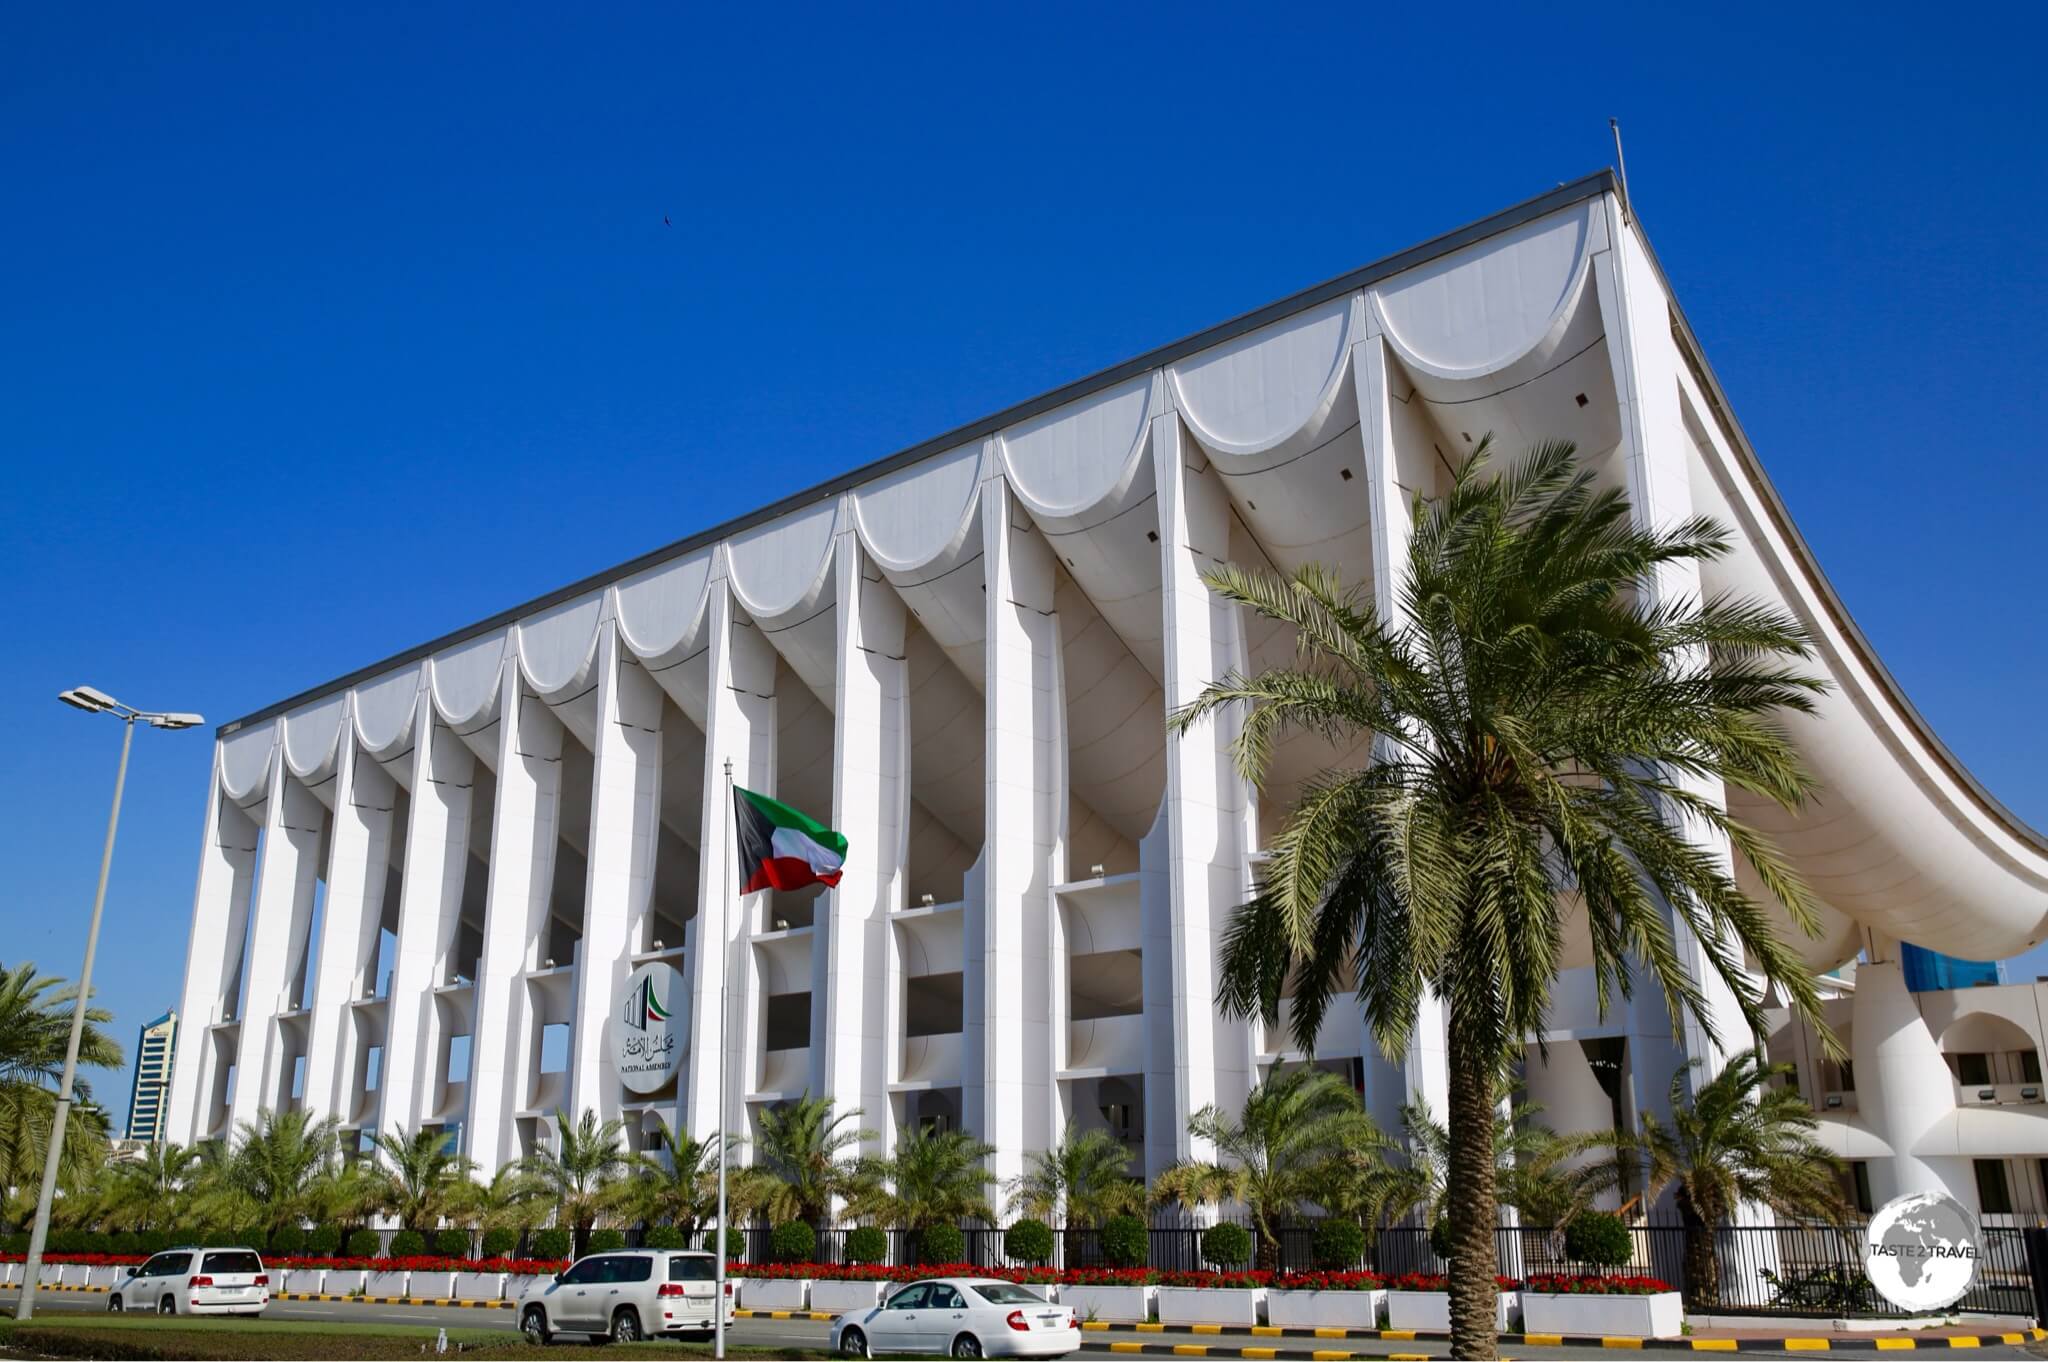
(1206, 806)
(429, 911)
(293, 823)
(740, 728)
(1396, 471)
(358, 870)
(1904, 1089)
(625, 813)
(1025, 736)
(227, 865)
(505, 1046)
(870, 799)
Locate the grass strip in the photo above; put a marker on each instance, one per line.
(252, 1340)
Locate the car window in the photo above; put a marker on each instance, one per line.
(585, 1272)
(946, 1298)
(910, 1297)
(161, 1265)
(231, 1262)
(1003, 1293)
(692, 1270)
(631, 1269)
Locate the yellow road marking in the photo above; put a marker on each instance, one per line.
(1621, 1343)
(1119, 1347)
(1806, 1345)
(1965, 1341)
(1258, 1352)
(1205, 1328)
(1543, 1340)
(1713, 1345)
(1897, 1344)
(1190, 1350)
(1326, 1331)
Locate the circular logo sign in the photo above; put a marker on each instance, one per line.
(645, 1031)
(1920, 1250)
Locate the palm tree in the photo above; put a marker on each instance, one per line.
(935, 1177)
(425, 1178)
(508, 1201)
(577, 1171)
(279, 1161)
(1079, 1182)
(683, 1188)
(1534, 1171)
(1737, 1138)
(150, 1193)
(803, 1146)
(35, 1029)
(1283, 1151)
(1552, 741)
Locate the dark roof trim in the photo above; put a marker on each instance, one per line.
(1590, 186)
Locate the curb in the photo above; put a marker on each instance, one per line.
(395, 1300)
(1886, 1343)
(825, 1315)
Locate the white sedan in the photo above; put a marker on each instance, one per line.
(959, 1317)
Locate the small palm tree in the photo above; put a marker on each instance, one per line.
(578, 1170)
(935, 1177)
(1552, 743)
(510, 1201)
(424, 1178)
(1534, 1171)
(150, 1193)
(681, 1189)
(812, 1153)
(35, 1029)
(1737, 1138)
(1282, 1152)
(1080, 1182)
(278, 1161)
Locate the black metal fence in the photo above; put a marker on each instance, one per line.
(1808, 1270)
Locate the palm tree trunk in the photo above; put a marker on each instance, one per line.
(1702, 1264)
(1474, 1255)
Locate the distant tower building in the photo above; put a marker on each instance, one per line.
(153, 1050)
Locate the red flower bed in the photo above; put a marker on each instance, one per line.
(533, 1267)
(82, 1259)
(1224, 1281)
(1327, 1281)
(1562, 1285)
(1437, 1281)
(1108, 1276)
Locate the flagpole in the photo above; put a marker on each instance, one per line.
(724, 892)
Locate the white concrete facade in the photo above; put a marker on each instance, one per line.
(422, 887)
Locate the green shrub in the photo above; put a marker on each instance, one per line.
(1598, 1239)
(407, 1244)
(866, 1244)
(499, 1243)
(1440, 1238)
(792, 1242)
(287, 1240)
(735, 1244)
(553, 1242)
(1226, 1246)
(363, 1244)
(1028, 1241)
(452, 1243)
(607, 1241)
(1339, 1244)
(324, 1241)
(1126, 1242)
(152, 1241)
(941, 1244)
(13, 1243)
(124, 1241)
(662, 1237)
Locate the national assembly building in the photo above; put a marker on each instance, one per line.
(492, 878)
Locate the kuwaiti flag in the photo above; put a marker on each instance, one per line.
(781, 848)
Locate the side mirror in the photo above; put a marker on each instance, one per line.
(559, 1276)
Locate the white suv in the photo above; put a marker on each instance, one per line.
(625, 1296)
(195, 1281)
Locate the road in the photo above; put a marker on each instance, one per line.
(760, 1333)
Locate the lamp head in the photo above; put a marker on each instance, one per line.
(90, 700)
(175, 720)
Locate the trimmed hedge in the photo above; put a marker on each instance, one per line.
(1226, 1245)
(794, 1242)
(607, 1241)
(1028, 1241)
(365, 1244)
(941, 1244)
(552, 1242)
(1126, 1242)
(866, 1244)
(662, 1237)
(408, 1244)
(287, 1241)
(324, 1241)
(499, 1243)
(1598, 1239)
(452, 1243)
(1339, 1244)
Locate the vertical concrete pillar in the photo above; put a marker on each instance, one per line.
(293, 822)
(358, 869)
(870, 799)
(625, 812)
(1206, 806)
(227, 865)
(1904, 1089)
(524, 830)
(429, 911)
(1025, 735)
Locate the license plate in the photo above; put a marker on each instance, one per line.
(1049, 1321)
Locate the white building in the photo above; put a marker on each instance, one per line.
(423, 886)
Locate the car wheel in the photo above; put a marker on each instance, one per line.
(626, 1326)
(167, 1306)
(113, 1305)
(534, 1324)
(967, 1345)
(853, 1343)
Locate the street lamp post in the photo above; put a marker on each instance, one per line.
(92, 702)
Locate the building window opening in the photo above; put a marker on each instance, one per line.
(554, 1048)
(1972, 1070)
(1106, 984)
(788, 1023)
(1994, 1192)
(932, 1004)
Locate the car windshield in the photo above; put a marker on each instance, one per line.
(231, 1262)
(692, 1270)
(1003, 1293)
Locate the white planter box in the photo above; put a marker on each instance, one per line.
(1324, 1309)
(432, 1286)
(840, 1297)
(1121, 1304)
(104, 1277)
(305, 1281)
(50, 1274)
(10, 1274)
(775, 1293)
(1659, 1316)
(344, 1282)
(1430, 1311)
(1233, 1306)
(479, 1286)
(518, 1284)
(386, 1284)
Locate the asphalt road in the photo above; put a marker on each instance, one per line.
(762, 1333)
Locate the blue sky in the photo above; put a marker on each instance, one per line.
(312, 311)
